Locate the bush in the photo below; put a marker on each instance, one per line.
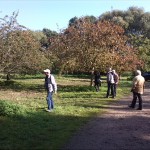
(126, 74)
(9, 109)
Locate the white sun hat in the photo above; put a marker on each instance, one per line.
(47, 70)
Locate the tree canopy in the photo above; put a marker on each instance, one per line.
(136, 23)
(86, 45)
(19, 49)
(118, 39)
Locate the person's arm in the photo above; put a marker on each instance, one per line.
(54, 84)
(45, 83)
(134, 83)
(117, 76)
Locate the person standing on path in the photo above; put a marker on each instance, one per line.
(137, 89)
(110, 83)
(51, 87)
(116, 81)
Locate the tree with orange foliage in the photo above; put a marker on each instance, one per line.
(85, 45)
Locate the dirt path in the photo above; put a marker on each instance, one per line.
(121, 128)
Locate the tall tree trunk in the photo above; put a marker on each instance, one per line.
(61, 70)
(8, 77)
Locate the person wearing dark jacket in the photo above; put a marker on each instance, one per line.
(97, 80)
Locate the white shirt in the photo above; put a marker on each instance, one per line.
(53, 85)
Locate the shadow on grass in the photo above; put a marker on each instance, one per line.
(73, 88)
(43, 130)
(16, 86)
(37, 130)
(100, 104)
(24, 128)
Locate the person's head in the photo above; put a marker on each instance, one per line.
(96, 73)
(138, 72)
(47, 72)
(113, 71)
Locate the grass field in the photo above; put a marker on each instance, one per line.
(25, 124)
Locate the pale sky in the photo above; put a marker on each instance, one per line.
(55, 14)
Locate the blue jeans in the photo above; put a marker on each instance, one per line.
(50, 102)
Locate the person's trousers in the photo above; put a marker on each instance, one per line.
(50, 102)
(97, 86)
(135, 96)
(110, 86)
(115, 89)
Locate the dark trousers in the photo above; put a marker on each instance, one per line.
(115, 89)
(97, 86)
(135, 96)
(110, 86)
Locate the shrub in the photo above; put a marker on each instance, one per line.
(9, 109)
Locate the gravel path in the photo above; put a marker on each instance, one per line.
(121, 128)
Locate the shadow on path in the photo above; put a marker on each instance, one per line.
(121, 128)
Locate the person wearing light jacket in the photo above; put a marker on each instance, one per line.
(137, 89)
(116, 81)
(110, 83)
(51, 87)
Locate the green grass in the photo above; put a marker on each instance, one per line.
(25, 124)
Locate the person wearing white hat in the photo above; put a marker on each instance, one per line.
(137, 89)
(51, 87)
(116, 81)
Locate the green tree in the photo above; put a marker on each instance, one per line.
(42, 39)
(75, 20)
(136, 23)
(134, 20)
(49, 33)
(19, 50)
(143, 46)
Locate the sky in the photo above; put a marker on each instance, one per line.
(55, 14)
